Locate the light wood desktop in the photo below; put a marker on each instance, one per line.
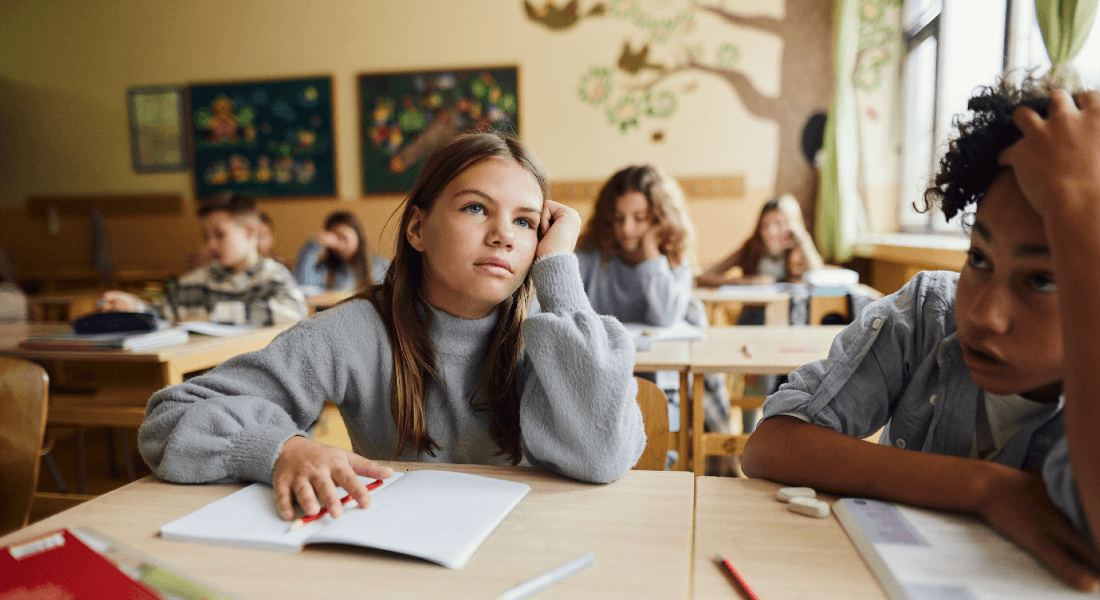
(639, 529)
(119, 382)
(777, 304)
(319, 302)
(782, 555)
(749, 350)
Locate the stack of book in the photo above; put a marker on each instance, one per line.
(105, 341)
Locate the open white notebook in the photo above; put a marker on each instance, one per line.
(439, 516)
(921, 554)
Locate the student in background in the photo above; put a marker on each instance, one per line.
(338, 258)
(636, 258)
(266, 243)
(13, 302)
(969, 372)
(439, 363)
(780, 249)
(238, 286)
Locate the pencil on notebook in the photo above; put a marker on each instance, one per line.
(306, 520)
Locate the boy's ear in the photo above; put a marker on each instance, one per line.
(414, 232)
(252, 231)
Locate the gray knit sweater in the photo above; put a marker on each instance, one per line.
(578, 413)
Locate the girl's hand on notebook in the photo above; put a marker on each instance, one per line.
(560, 227)
(1019, 507)
(309, 472)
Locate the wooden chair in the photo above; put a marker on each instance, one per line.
(24, 389)
(654, 405)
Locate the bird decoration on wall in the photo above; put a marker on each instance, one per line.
(560, 18)
(633, 62)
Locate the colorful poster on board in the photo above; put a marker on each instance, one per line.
(264, 138)
(406, 115)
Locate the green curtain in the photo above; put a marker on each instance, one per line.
(1065, 25)
(835, 224)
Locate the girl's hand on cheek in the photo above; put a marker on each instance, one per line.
(650, 245)
(327, 239)
(560, 227)
(309, 472)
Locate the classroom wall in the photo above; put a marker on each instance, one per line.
(66, 68)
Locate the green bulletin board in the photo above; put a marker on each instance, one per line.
(264, 138)
(406, 115)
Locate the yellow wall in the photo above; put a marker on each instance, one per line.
(65, 68)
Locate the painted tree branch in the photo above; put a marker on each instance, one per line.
(758, 104)
(761, 23)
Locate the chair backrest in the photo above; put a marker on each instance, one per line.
(654, 405)
(24, 388)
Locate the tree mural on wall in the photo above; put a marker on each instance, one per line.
(636, 87)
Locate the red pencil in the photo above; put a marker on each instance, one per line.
(306, 520)
(737, 576)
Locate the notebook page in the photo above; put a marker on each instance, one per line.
(439, 516)
(249, 518)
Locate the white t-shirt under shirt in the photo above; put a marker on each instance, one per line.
(1002, 418)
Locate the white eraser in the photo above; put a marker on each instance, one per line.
(785, 494)
(810, 507)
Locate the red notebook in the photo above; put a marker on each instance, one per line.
(59, 565)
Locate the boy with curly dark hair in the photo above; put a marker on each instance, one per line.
(970, 374)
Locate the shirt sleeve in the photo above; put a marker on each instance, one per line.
(231, 423)
(1062, 485)
(855, 389)
(667, 290)
(579, 413)
(305, 272)
(287, 303)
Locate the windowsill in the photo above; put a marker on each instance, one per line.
(927, 251)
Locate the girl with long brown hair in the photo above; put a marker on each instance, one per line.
(338, 258)
(780, 249)
(439, 363)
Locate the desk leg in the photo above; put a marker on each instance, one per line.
(682, 439)
(777, 313)
(170, 375)
(698, 435)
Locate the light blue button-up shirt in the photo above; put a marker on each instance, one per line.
(900, 366)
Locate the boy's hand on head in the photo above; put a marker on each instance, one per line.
(1018, 506)
(309, 472)
(1058, 158)
(560, 227)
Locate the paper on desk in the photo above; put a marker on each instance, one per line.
(644, 335)
(215, 329)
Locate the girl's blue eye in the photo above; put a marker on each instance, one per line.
(474, 209)
(525, 222)
(1042, 282)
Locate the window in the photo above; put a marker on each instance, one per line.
(950, 48)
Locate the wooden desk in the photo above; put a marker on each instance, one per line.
(320, 302)
(120, 382)
(672, 356)
(777, 304)
(781, 554)
(773, 350)
(639, 528)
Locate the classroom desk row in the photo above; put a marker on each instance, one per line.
(654, 535)
(114, 386)
(752, 350)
